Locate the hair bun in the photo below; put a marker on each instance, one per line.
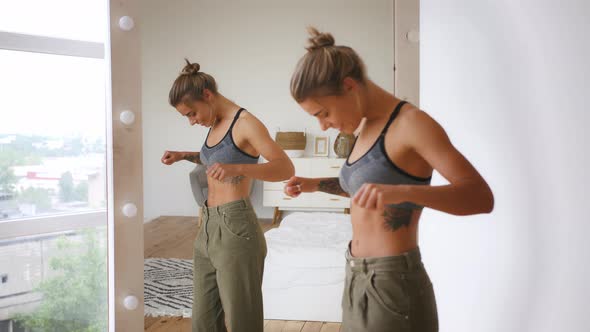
(318, 40)
(190, 68)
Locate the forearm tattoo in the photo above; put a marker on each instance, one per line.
(331, 186)
(193, 158)
(395, 218)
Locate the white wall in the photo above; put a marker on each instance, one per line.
(509, 81)
(251, 48)
(506, 79)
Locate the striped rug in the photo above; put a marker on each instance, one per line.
(168, 287)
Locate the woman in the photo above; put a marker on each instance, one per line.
(387, 176)
(230, 248)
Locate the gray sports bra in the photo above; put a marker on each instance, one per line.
(226, 151)
(375, 166)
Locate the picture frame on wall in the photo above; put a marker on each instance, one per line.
(321, 146)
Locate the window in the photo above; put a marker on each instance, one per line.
(53, 165)
(52, 134)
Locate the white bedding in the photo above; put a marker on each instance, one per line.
(304, 267)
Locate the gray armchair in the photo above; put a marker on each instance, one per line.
(198, 178)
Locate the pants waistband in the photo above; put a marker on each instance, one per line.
(219, 209)
(407, 261)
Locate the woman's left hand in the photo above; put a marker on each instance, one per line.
(222, 171)
(375, 196)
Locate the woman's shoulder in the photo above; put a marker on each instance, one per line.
(246, 118)
(415, 128)
(248, 124)
(412, 117)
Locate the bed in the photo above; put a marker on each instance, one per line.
(304, 267)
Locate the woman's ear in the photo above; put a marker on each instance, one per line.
(207, 95)
(349, 85)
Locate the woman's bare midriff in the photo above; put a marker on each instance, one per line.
(221, 192)
(373, 237)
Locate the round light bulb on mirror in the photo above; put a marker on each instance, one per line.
(127, 117)
(129, 210)
(126, 23)
(413, 36)
(130, 302)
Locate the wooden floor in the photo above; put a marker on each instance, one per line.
(172, 237)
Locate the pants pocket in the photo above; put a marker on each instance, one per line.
(199, 243)
(238, 224)
(390, 293)
(345, 303)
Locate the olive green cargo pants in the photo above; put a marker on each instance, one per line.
(388, 294)
(228, 257)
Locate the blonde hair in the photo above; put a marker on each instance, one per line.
(321, 71)
(190, 84)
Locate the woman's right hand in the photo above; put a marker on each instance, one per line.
(297, 185)
(170, 157)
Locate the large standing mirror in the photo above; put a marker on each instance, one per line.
(251, 49)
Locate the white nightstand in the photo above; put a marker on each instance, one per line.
(315, 167)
